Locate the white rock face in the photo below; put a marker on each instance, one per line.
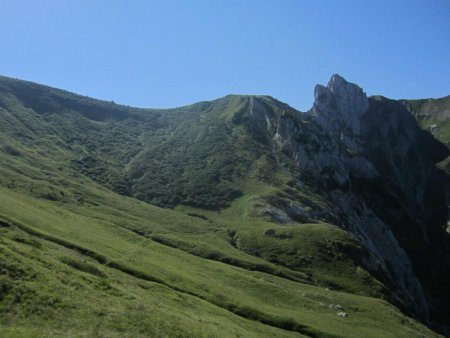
(333, 150)
(340, 105)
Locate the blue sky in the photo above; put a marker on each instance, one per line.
(169, 53)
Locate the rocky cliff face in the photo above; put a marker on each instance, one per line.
(368, 158)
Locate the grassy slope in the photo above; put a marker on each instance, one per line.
(71, 248)
(47, 290)
(212, 286)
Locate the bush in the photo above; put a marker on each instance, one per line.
(83, 266)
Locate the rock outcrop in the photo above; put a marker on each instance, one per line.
(339, 106)
(368, 158)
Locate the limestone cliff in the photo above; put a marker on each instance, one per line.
(376, 168)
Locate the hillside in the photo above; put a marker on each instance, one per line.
(433, 115)
(234, 217)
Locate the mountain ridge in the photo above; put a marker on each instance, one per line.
(241, 163)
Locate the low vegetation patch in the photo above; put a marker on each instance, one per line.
(82, 265)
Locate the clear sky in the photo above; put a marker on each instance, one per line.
(168, 53)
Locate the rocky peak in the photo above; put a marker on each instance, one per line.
(358, 153)
(340, 105)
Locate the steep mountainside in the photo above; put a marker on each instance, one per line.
(433, 115)
(377, 168)
(274, 222)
